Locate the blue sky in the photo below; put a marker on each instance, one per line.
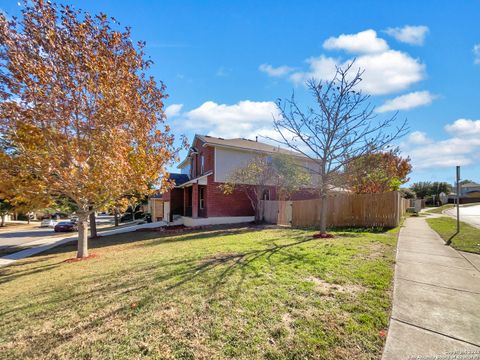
(224, 62)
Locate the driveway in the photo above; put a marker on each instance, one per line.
(468, 214)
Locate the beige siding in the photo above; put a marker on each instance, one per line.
(227, 160)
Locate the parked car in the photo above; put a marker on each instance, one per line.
(128, 216)
(66, 226)
(48, 223)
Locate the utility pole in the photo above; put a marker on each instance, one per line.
(458, 199)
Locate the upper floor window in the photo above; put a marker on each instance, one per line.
(192, 168)
(202, 164)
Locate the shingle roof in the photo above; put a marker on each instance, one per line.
(472, 184)
(179, 178)
(241, 143)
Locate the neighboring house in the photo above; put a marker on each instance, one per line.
(470, 190)
(469, 193)
(197, 199)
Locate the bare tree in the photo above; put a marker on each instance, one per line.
(264, 172)
(343, 125)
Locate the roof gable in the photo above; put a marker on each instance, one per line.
(245, 144)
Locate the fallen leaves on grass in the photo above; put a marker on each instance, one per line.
(76, 259)
(323, 236)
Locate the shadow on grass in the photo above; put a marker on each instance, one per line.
(146, 280)
(232, 262)
(157, 238)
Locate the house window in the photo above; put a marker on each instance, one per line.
(266, 194)
(202, 164)
(201, 197)
(192, 168)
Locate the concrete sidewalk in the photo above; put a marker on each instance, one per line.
(436, 300)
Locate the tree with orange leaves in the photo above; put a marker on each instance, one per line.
(79, 112)
(377, 172)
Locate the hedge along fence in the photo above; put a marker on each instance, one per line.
(363, 210)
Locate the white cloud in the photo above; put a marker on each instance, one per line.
(460, 149)
(464, 128)
(244, 119)
(173, 110)
(413, 35)
(385, 70)
(385, 73)
(389, 72)
(419, 138)
(359, 43)
(446, 153)
(407, 101)
(275, 71)
(321, 68)
(476, 54)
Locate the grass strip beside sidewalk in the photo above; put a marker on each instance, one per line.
(467, 240)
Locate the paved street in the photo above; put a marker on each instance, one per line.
(468, 214)
(436, 296)
(38, 240)
(21, 237)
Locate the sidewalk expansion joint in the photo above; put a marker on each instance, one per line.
(471, 263)
(431, 263)
(440, 286)
(435, 332)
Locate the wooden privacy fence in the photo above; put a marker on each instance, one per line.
(382, 210)
(277, 212)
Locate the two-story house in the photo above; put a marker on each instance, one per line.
(470, 190)
(197, 197)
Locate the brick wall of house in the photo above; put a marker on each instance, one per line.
(167, 195)
(219, 204)
(208, 153)
(176, 202)
(305, 195)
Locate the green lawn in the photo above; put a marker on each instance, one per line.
(467, 240)
(439, 210)
(239, 293)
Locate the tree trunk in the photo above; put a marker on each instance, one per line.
(82, 235)
(323, 213)
(116, 216)
(259, 212)
(2, 224)
(93, 225)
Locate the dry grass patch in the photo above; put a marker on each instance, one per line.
(328, 288)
